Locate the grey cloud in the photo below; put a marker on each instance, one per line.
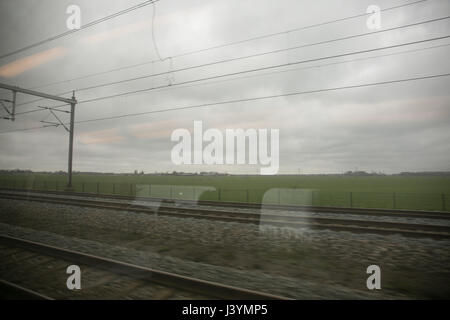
(322, 132)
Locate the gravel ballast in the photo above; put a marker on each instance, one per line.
(297, 263)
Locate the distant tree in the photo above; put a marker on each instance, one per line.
(135, 172)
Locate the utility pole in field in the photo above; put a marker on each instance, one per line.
(72, 102)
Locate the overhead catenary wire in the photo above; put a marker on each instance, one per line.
(258, 69)
(260, 54)
(218, 103)
(250, 71)
(246, 57)
(84, 26)
(226, 45)
(179, 85)
(266, 97)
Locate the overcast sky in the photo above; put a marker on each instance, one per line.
(389, 128)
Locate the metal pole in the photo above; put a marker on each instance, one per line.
(72, 120)
(72, 103)
(36, 93)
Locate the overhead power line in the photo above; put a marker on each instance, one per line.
(183, 85)
(245, 57)
(219, 103)
(85, 26)
(261, 69)
(256, 55)
(227, 44)
(265, 97)
(25, 129)
(251, 71)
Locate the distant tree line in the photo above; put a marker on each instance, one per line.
(213, 173)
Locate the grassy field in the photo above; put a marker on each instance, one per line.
(401, 192)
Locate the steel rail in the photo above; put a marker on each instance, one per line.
(207, 288)
(11, 291)
(445, 215)
(323, 223)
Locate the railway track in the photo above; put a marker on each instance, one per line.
(11, 291)
(42, 266)
(263, 218)
(242, 205)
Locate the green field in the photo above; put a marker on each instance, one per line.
(400, 192)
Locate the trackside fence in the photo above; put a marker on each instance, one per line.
(283, 196)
